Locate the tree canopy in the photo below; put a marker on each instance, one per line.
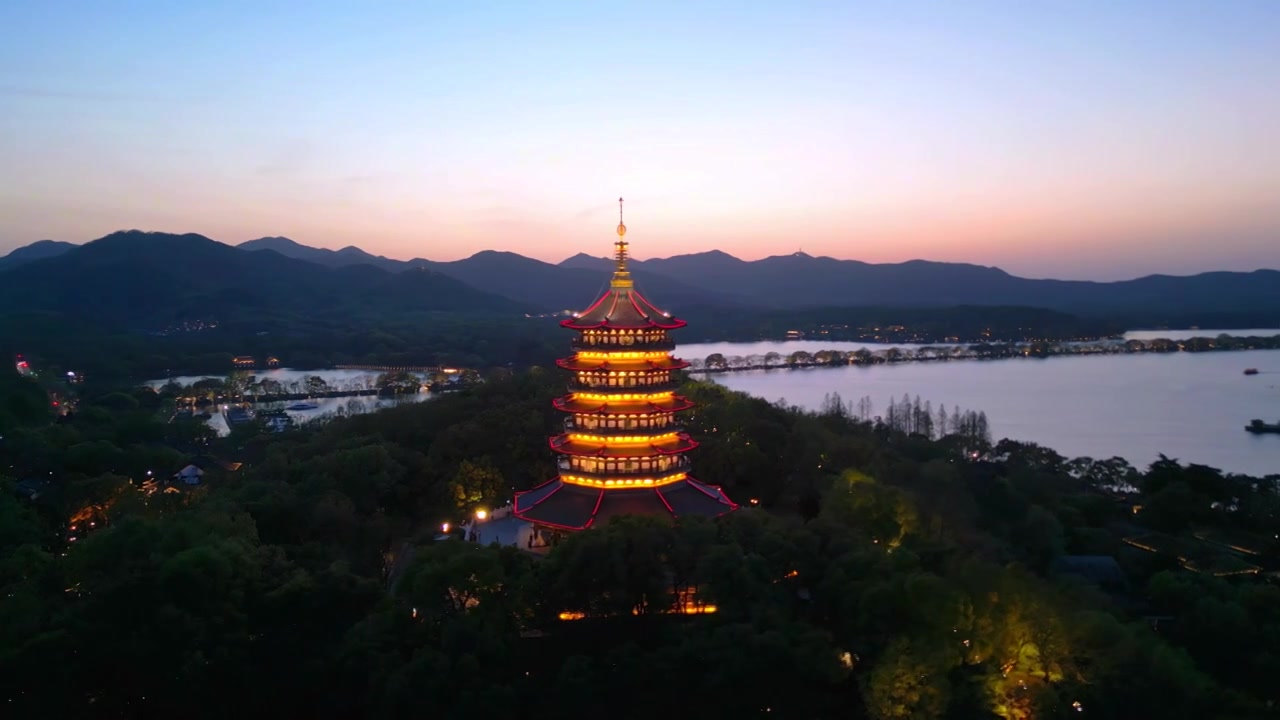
(873, 571)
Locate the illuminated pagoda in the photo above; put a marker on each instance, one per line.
(623, 451)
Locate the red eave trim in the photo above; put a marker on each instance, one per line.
(594, 510)
(671, 324)
(696, 486)
(554, 525)
(663, 498)
(544, 497)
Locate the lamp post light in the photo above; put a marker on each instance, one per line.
(481, 514)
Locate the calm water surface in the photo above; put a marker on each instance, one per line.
(1189, 406)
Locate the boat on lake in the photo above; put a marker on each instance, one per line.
(1251, 371)
(1257, 426)
(302, 406)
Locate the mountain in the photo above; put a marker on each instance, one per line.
(796, 281)
(535, 284)
(37, 250)
(541, 284)
(349, 255)
(583, 261)
(709, 281)
(800, 281)
(143, 279)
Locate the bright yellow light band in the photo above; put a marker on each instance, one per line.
(624, 396)
(621, 439)
(623, 482)
(685, 610)
(622, 355)
(641, 373)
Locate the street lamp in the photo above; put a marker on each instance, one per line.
(481, 514)
(445, 528)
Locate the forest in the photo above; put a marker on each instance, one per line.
(873, 571)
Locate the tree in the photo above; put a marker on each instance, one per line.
(476, 484)
(799, 357)
(398, 381)
(903, 685)
(834, 406)
(865, 408)
(236, 383)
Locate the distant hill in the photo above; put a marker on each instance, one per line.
(349, 255)
(583, 261)
(545, 285)
(796, 281)
(535, 284)
(37, 250)
(148, 279)
(803, 281)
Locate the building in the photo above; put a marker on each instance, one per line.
(244, 361)
(623, 451)
(189, 475)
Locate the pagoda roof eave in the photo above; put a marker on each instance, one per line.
(684, 444)
(595, 407)
(672, 324)
(622, 309)
(625, 365)
(564, 506)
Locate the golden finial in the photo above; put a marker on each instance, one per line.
(621, 278)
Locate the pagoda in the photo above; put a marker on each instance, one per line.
(623, 450)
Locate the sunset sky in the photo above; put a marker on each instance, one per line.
(1075, 139)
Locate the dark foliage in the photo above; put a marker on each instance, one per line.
(878, 574)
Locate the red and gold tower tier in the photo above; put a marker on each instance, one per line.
(622, 451)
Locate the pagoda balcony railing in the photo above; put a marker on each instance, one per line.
(579, 386)
(637, 345)
(633, 428)
(680, 464)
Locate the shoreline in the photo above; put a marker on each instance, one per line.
(717, 363)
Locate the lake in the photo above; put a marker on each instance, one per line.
(1189, 406)
(786, 347)
(324, 406)
(337, 379)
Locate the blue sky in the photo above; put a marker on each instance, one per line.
(1069, 139)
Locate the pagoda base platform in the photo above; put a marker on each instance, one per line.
(566, 506)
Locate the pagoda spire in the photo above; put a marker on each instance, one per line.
(621, 276)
